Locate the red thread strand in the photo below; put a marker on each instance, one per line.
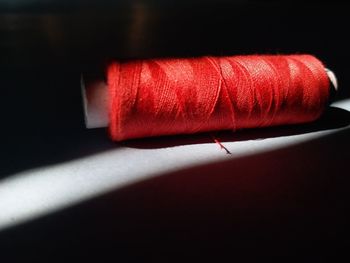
(222, 147)
(183, 96)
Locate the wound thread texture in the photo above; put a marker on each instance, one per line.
(182, 96)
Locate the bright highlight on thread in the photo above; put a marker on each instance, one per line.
(183, 96)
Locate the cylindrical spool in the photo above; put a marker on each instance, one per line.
(95, 99)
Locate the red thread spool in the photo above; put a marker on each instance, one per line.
(181, 96)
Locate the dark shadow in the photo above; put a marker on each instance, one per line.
(289, 203)
(333, 118)
(42, 120)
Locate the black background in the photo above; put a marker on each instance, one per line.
(46, 45)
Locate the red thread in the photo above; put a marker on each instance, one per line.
(222, 147)
(181, 96)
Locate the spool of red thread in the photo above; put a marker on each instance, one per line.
(157, 97)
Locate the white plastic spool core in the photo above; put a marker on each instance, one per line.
(95, 102)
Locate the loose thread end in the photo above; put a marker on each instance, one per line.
(220, 144)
